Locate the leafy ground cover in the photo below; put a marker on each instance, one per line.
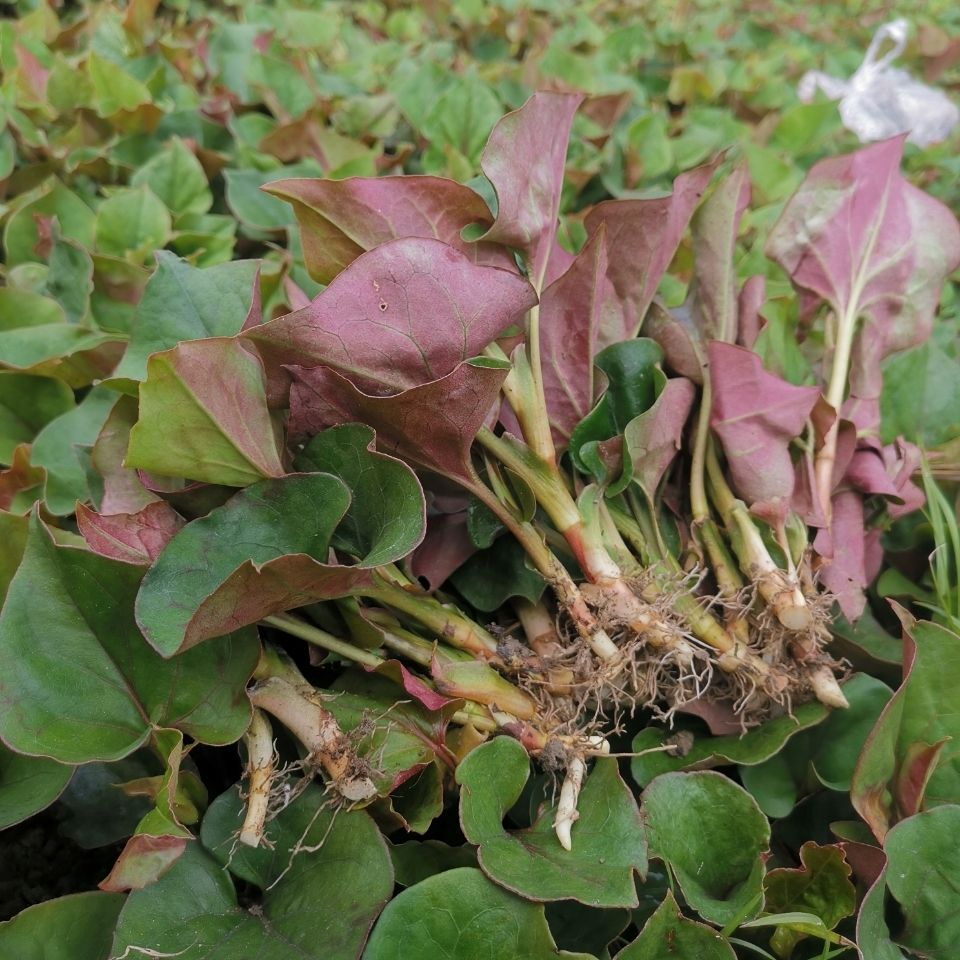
(464, 486)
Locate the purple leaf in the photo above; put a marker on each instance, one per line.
(756, 415)
(673, 337)
(641, 238)
(653, 438)
(860, 237)
(342, 219)
(753, 295)
(254, 591)
(569, 319)
(844, 548)
(715, 227)
(524, 160)
(130, 537)
(446, 547)
(404, 314)
(432, 425)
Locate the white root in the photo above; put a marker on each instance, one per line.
(567, 813)
(826, 689)
(261, 765)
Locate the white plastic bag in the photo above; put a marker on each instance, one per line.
(879, 101)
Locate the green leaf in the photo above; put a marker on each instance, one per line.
(77, 927)
(755, 746)
(79, 683)
(923, 866)
(275, 518)
(28, 785)
(386, 518)
(204, 416)
(821, 886)
(491, 577)
(576, 927)
(828, 753)
(183, 302)
(463, 117)
(873, 934)
(52, 199)
(668, 933)
(55, 449)
(27, 404)
(70, 277)
(415, 860)
(714, 838)
(634, 379)
(609, 845)
(886, 786)
(323, 880)
(918, 401)
(460, 914)
(114, 89)
(177, 178)
(132, 223)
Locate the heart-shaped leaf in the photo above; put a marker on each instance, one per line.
(714, 837)
(920, 712)
(342, 219)
(77, 927)
(669, 933)
(96, 687)
(922, 876)
(295, 515)
(407, 424)
(752, 747)
(756, 416)
(386, 518)
(858, 235)
(641, 237)
(182, 302)
(27, 404)
(28, 785)
(203, 415)
(821, 886)
(334, 861)
(609, 845)
(524, 160)
(460, 913)
(406, 313)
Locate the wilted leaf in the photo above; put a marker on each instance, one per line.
(641, 238)
(859, 236)
(821, 886)
(131, 537)
(609, 844)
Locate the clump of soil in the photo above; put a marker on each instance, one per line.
(37, 864)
